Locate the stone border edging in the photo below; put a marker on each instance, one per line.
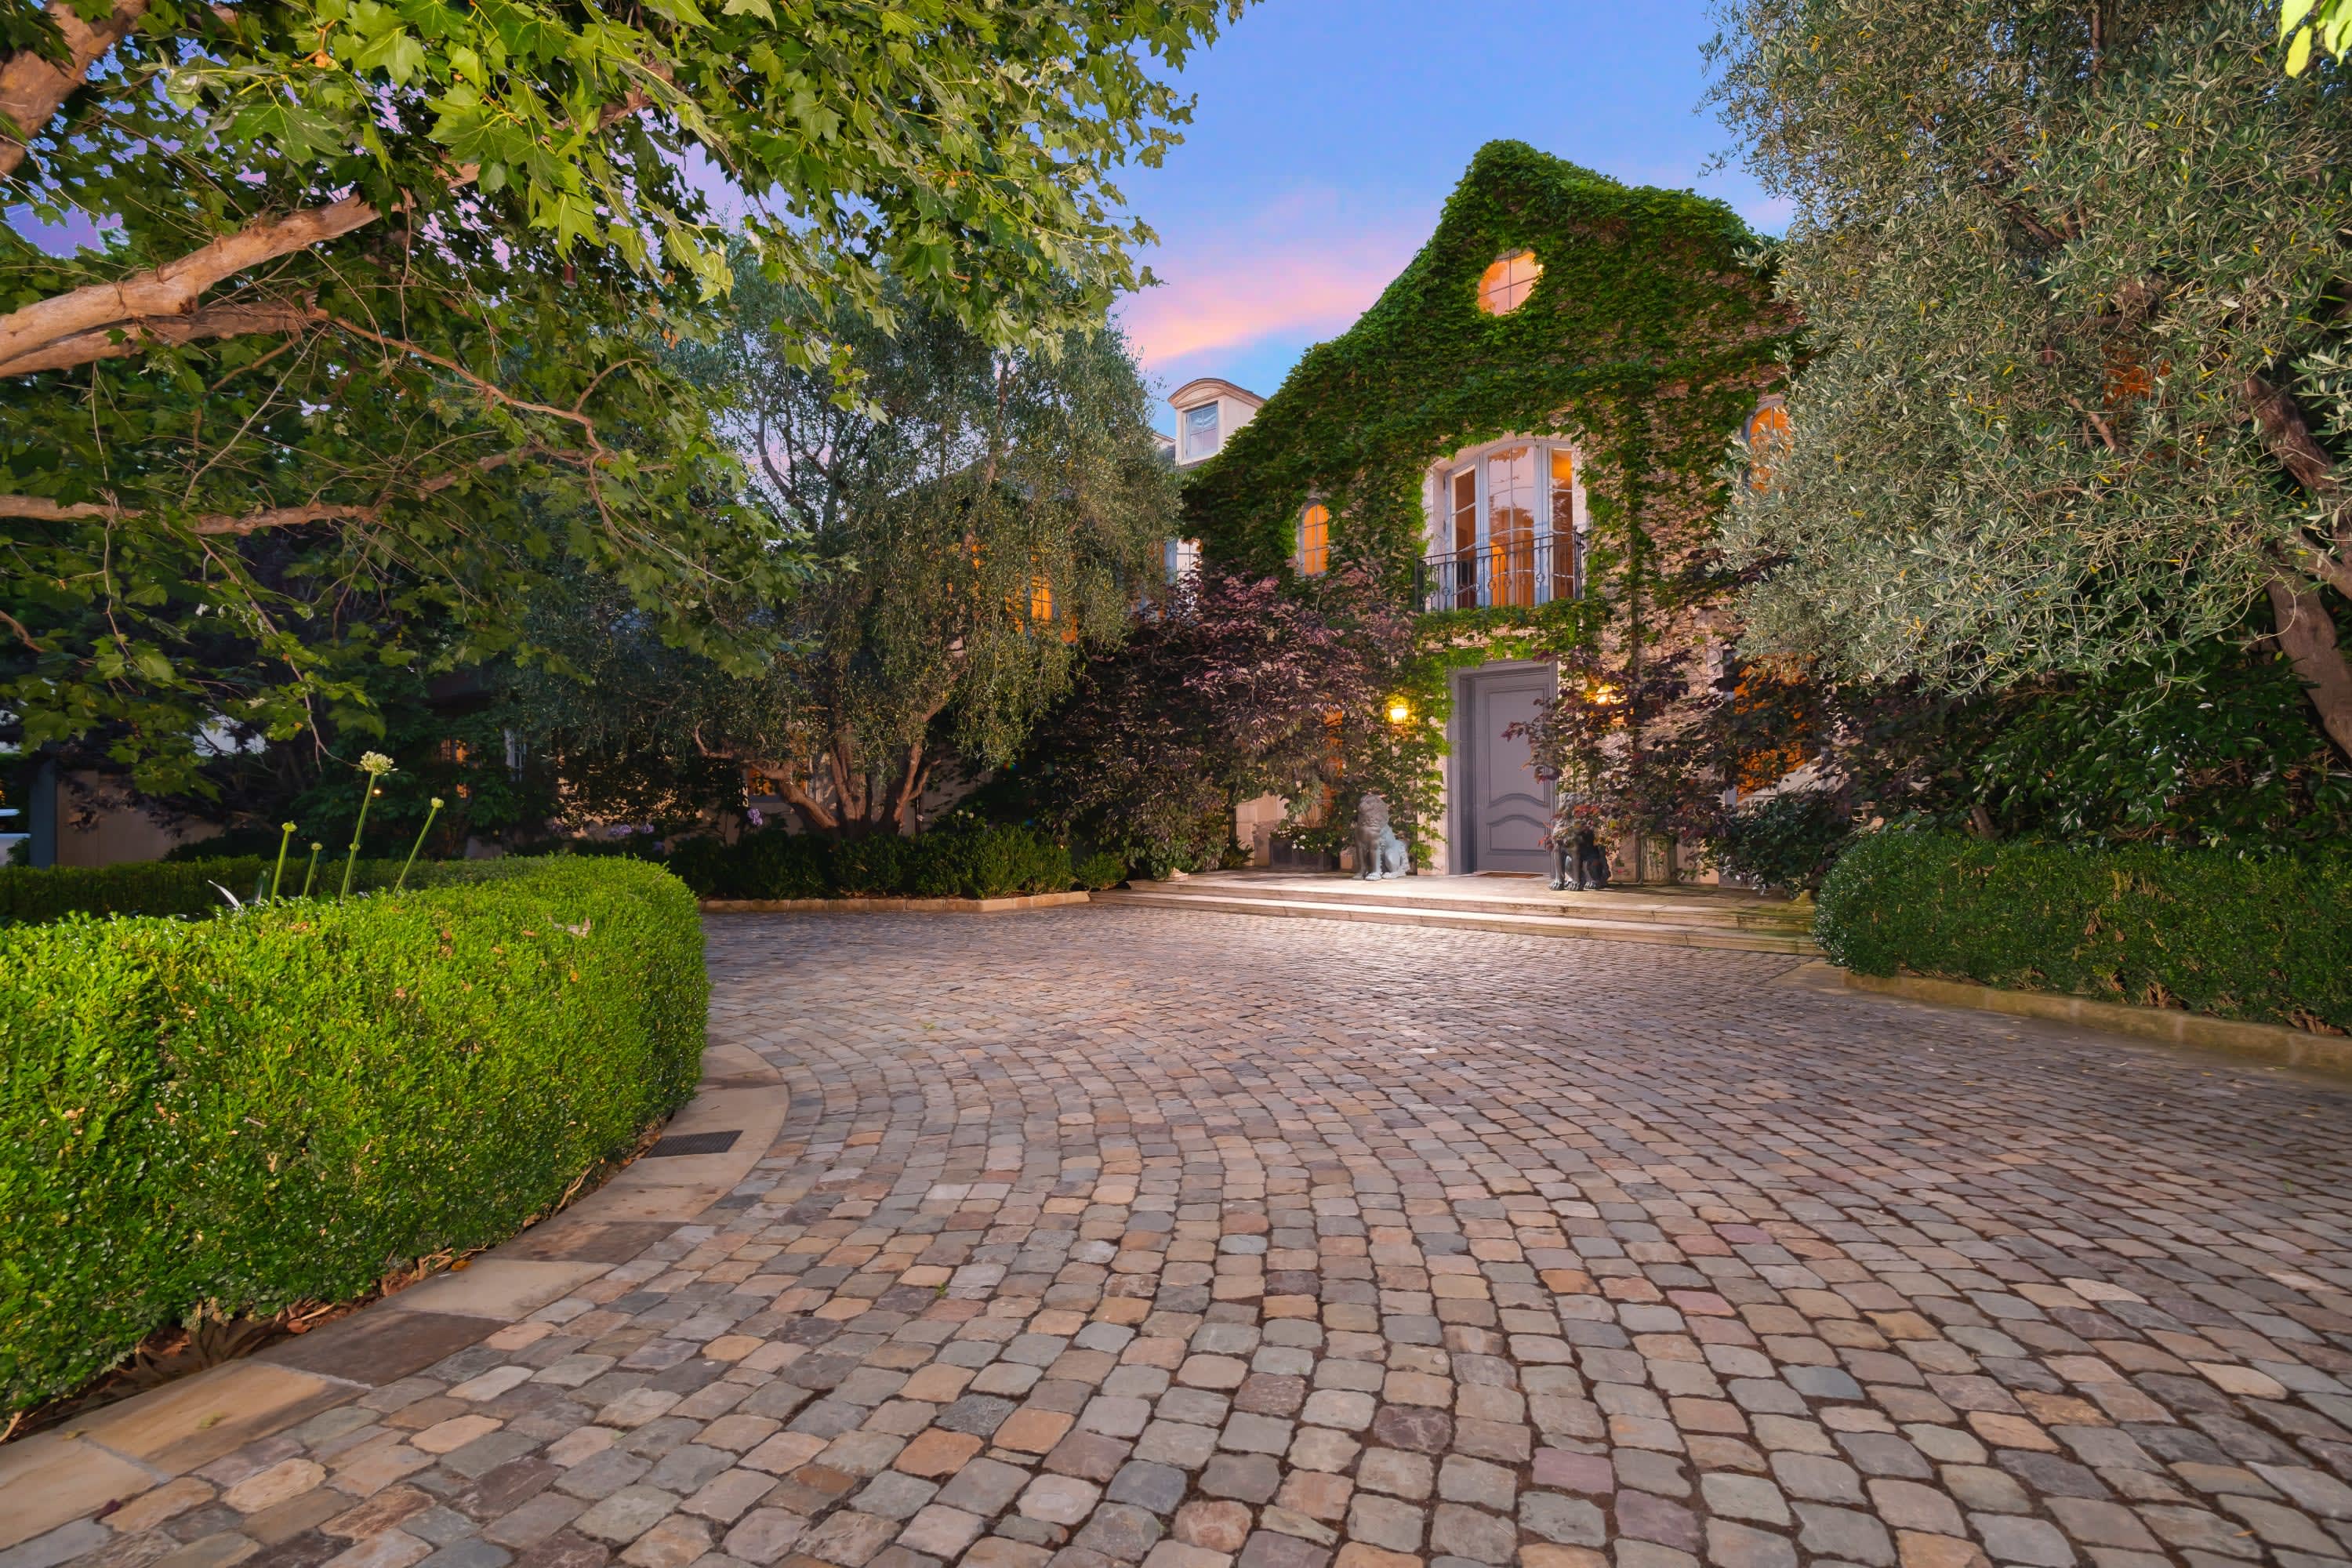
(890, 906)
(2270, 1042)
(126, 1449)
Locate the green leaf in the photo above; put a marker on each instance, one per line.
(397, 54)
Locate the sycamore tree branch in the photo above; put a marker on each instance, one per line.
(85, 314)
(31, 90)
(121, 341)
(490, 389)
(172, 289)
(41, 509)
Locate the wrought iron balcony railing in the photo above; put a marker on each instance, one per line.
(1520, 572)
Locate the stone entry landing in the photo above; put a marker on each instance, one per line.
(1525, 906)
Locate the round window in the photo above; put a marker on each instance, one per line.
(1505, 284)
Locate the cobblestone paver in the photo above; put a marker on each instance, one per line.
(1127, 1237)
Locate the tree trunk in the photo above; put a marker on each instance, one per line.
(2306, 632)
(2307, 635)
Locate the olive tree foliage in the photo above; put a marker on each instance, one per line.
(978, 519)
(2075, 281)
(370, 335)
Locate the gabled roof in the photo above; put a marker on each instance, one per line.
(1646, 297)
(1201, 389)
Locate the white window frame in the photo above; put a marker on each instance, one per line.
(1217, 430)
(1438, 497)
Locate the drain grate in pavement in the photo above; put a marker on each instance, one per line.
(692, 1143)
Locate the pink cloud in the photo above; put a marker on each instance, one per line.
(1274, 280)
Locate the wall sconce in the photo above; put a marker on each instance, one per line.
(1399, 712)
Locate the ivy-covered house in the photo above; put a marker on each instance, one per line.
(1529, 434)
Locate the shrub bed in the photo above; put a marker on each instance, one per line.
(2203, 929)
(232, 1116)
(960, 861)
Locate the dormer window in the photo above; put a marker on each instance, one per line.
(1200, 431)
(1315, 541)
(1507, 281)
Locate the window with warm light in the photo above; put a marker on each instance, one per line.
(1767, 435)
(1315, 541)
(1507, 281)
(1508, 529)
(1041, 600)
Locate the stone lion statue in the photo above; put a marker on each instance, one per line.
(1380, 853)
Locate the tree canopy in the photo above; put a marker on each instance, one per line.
(978, 518)
(370, 328)
(2075, 283)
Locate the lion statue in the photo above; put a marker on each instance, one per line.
(1380, 853)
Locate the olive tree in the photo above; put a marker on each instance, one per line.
(2075, 281)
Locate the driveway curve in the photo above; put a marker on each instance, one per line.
(1106, 1236)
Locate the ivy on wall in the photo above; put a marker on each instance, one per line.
(1645, 343)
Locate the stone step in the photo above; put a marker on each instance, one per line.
(1702, 909)
(1381, 912)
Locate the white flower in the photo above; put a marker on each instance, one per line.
(375, 763)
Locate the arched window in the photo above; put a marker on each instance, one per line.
(1507, 281)
(1508, 529)
(1315, 541)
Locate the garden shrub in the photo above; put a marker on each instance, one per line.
(963, 860)
(768, 864)
(877, 863)
(960, 858)
(1103, 868)
(2256, 938)
(232, 1116)
(1786, 841)
(186, 886)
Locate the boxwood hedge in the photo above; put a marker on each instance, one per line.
(233, 1115)
(959, 859)
(187, 887)
(2266, 939)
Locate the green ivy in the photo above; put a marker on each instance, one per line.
(1646, 341)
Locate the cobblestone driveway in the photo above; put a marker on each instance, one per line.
(1133, 1236)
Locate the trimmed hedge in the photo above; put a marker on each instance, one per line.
(235, 1115)
(959, 860)
(2269, 940)
(185, 887)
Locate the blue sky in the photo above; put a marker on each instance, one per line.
(1328, 134)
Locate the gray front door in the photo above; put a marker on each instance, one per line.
(1504, 810)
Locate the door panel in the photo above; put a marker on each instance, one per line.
(1507, 810)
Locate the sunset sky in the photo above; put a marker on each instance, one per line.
(1329, 134)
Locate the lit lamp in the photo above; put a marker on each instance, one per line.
(1400, 710)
